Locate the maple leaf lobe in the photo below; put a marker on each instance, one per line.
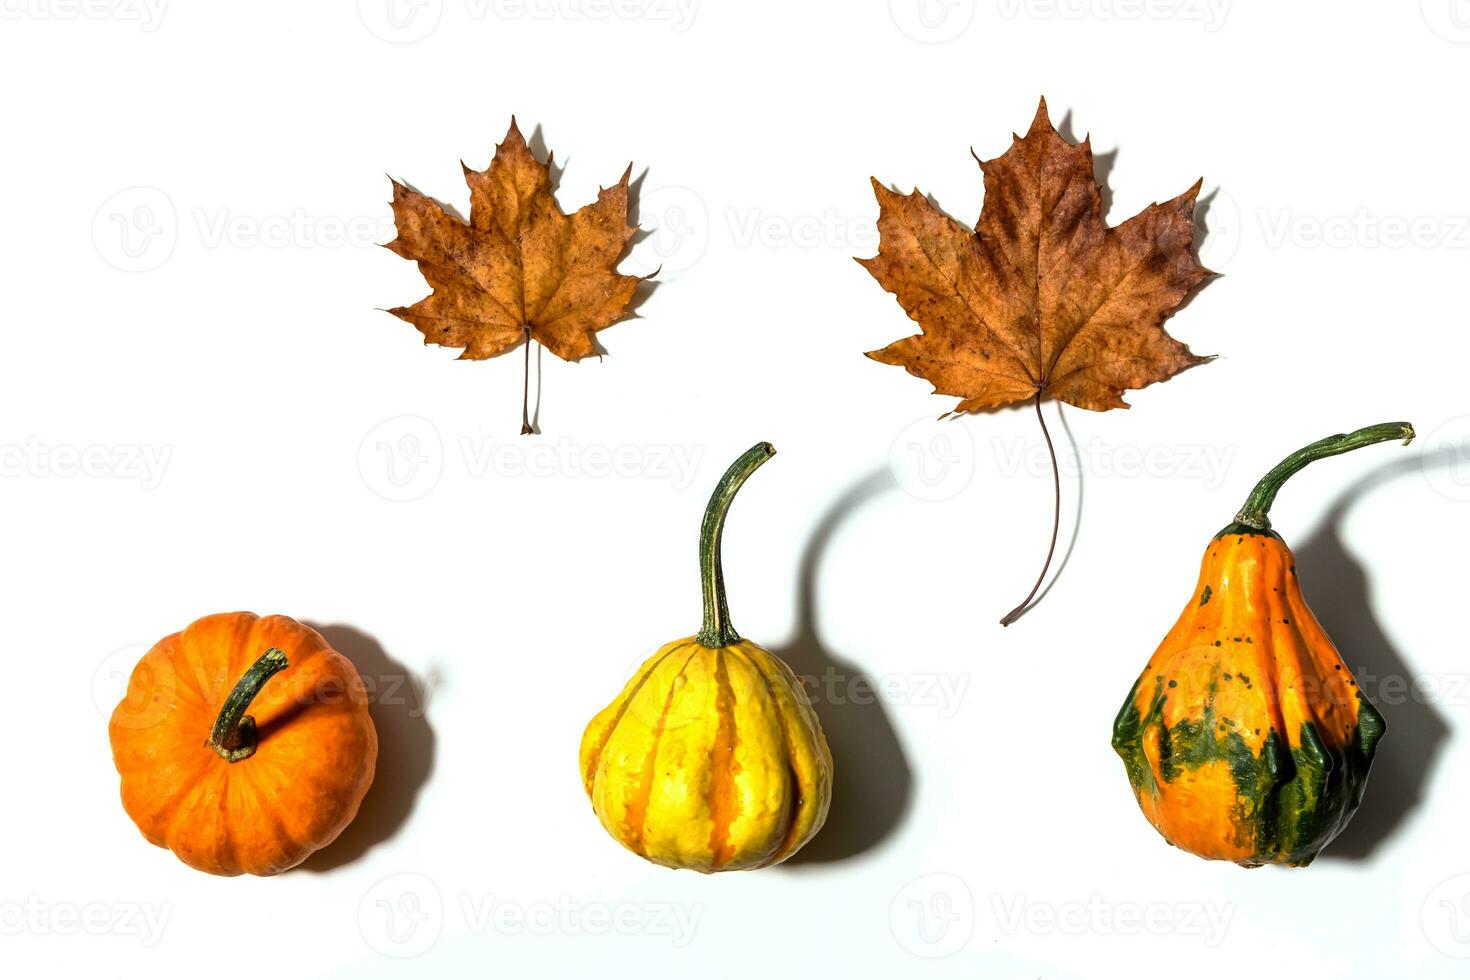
(1043, 296)
(519, 267)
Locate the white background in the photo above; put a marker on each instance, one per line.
(192, 194)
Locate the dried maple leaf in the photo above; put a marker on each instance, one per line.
(520, 269)
(1043, 299)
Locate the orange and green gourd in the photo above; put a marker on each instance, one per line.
(1246, 738)
(712, 757)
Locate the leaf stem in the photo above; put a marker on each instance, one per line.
(716, 631)
(1056, 519)
(526, 429)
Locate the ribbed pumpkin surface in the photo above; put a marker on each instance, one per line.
(710, 758)
(315, 759)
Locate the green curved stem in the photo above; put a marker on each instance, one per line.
(1253, 514)
(717, 631)
(234, 736)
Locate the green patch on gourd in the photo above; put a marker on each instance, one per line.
(1289, 802)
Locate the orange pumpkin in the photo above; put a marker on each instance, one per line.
(1246, 738)
(235, 793)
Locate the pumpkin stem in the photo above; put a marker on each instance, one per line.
(717, 631)
(1056, 519)
(1253, 514)
(234, 736)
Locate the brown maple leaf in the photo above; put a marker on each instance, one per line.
(520, 269)
(1043, 298)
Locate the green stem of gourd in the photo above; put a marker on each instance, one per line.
(1253, 514)
(717, 631)
(234, 736)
